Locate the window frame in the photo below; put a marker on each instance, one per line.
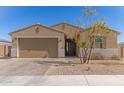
(101, 43)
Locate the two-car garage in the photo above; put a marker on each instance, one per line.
(38, 47)
(38, 41)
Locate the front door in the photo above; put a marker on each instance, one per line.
(70, 48)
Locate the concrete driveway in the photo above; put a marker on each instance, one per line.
(59, 66)
(47, 72)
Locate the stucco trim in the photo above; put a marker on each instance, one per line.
(2, 43)
(108, 52)
(53, 29)
(17, 48)
(67, 24)
(61, 52)
(14, 52)
(38, 37)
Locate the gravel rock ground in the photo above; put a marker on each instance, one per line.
(22, 67)
(47, 72)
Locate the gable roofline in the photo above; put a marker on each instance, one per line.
(67, 24)
(107, 29)
(60, 31)
(5, 41)
(82, 28)
(115, 31)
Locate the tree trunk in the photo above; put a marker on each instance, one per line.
(89, 56)
(84, 51)
(80, 56)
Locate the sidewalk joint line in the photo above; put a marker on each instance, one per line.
(86, 80)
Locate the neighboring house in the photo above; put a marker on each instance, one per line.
(5, 48)
(38, 41)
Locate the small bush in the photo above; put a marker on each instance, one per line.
(97, 56)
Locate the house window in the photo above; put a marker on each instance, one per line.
(100, 42)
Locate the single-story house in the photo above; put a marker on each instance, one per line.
(5, 48)
(39, 41)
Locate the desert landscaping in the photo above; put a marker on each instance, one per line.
(60, 66)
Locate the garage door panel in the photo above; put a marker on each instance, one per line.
(38, 47)
(33, 54)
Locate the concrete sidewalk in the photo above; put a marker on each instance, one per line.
(63, 80)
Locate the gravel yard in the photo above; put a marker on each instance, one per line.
(30, 67)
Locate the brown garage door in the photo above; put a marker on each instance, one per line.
(38, 47)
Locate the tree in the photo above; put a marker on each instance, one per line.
(96, 30)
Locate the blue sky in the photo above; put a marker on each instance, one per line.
(14, 18)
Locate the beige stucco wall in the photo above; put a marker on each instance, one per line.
(69, 30)
(121, 50)
(110, 47)
(43, 32)
(2, 50)
(110, 42)
(111, 38)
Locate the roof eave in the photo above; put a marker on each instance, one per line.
(35, 25)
